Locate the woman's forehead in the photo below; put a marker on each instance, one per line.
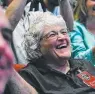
(54, 28)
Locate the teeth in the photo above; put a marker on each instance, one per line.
(61, 46)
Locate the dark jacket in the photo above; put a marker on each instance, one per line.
(49, 81)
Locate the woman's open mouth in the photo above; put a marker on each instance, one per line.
(62, 45)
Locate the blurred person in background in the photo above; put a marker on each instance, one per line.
(6, 55)
(83, 35)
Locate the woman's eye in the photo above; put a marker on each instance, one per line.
(52, 35)
(64, 33)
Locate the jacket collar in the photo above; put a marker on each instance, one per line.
(75, 64)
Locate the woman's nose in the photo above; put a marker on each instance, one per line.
(60, 36)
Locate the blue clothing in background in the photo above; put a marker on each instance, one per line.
(82, 42)
(56, 11)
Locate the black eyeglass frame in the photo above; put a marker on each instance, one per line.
(53, 33)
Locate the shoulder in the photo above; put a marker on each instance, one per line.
(79, 26)
(34, 65)
(77, 23)
(83, 64)
(78, 29)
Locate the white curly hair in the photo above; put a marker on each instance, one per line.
(35, 26)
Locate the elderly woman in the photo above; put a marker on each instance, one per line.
(83, 35)
(44, 22)
(14, 14)
(50, 71)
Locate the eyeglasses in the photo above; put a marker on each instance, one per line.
(54, 34)
(7, 34)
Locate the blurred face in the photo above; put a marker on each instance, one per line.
(91, 7)
(55, 42)
(6, 56)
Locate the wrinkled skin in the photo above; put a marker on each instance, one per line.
(49, 46)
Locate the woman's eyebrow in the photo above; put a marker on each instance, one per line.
(65, 29)
(51, 32)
